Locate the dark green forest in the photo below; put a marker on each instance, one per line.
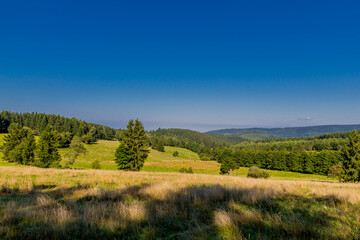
(39, 121)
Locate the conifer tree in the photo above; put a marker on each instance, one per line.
(132, 152)
(351, 159)
(48, 155)
(3, 125)
(19, 145)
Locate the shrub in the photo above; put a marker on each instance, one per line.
(184, 170)
(255, 172)
(95, 164)
(176, 154)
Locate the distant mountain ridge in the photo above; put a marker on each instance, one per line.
(288, 132)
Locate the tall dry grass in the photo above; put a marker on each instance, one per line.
(65, 204)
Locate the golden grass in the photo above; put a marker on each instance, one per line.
(26, 178)
(82, 204)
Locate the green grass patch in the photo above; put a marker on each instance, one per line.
(104, 151)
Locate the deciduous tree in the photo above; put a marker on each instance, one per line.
(76, 149)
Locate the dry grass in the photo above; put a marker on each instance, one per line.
(85, 204)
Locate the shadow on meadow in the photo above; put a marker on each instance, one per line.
(159, 212)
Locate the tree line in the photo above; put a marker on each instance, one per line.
(299, 145)
(303, 162)
(69, 127)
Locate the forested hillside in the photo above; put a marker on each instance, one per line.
(39, 121)
(290, 132)
(193, 140)
(306, 154)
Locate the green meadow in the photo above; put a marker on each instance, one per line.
(103, 151)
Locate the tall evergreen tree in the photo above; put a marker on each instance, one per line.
(48, 155)
(351, 159)
(132, 152)
(3, 125)
(19, 145)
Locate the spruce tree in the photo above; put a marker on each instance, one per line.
(132, 152)
(19, 145)
(48, 155)
(351, 159)
(4, 124)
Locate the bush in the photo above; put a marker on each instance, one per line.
(255, 172)
(336, 171)
(184, 170)
(176, 154)
(95, 164)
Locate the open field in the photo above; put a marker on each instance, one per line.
(164, 162)
(87, 204)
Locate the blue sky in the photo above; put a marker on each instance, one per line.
(200, 65)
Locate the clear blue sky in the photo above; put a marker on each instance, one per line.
(190, 64)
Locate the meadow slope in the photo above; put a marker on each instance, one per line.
(103, 151)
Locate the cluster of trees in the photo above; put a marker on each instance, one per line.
(67, 126)
(304, 161)
(20, 147)
(157, 142)
(344, 164)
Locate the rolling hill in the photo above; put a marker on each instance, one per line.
(289, 132)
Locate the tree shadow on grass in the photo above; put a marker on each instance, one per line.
(158, 212)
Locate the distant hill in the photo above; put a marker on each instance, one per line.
(290, 132)
(176, 136)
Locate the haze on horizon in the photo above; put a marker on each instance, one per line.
(200, 65)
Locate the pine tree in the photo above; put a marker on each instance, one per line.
(4, 124)
(48, 155)
(76, 149)
(19, 145)
(132, 152)
(351, 159)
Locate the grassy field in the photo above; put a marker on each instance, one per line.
(164, 162)
(97, 204)
(160, 203)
